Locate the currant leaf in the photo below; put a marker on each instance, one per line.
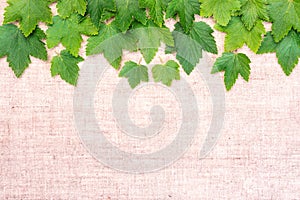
(233, 65)
(238, 35)
(285, 15)
(252, 11)
(268, 44)
(107, 15)
(156, 9)
(189, 46)
(135, 73)
(66, 7)
(127, 10)
(117, 25)
(105, 42)
(19, 48)
(68, 32)
(149, 37)
(166, 73)
(66, 65)
(28, 12)
(186, 9)
(99, 8)
(202, 33)
(221, 10)
(287, 50)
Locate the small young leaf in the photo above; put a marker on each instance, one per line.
(233, 65)
(66, 65)
(135, 73)
(19, 48)
(166, 73)
(68, 32)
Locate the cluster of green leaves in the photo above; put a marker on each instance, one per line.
(139, 25)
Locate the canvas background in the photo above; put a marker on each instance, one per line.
(256, 157)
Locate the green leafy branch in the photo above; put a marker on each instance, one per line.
(139, 25)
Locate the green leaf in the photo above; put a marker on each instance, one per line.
(287, 50)
(66, 7)
(285, 15)
(268, 45)
(107, 15)
(252, 11)
(186, 9)
(110, 41)
(98, 8)
(238, 35)
(68, 32)
(66, 65)
(202, 33)
(149, 37)
(135, 73)
(189, 46)
(166, 73)
(156, 9)
(127, 10)
(233, 65)
(18, 48)
(28, 12)
(221, 10)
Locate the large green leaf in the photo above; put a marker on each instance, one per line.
(285, 15)
(19, 48)
(238, 35)
(186, 9)
(110, 41)
(149, 38)
(66, 8)
(287, 50)
(252, 11)
(127, 10)
(28, 12)
(221, 10)
(68, 32)
(99, 8)
(189, 46)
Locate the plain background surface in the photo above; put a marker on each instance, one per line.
(256, 157)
